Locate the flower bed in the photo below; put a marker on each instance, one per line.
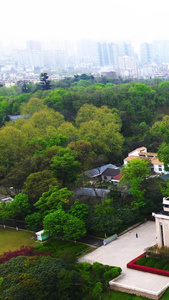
(132, 265)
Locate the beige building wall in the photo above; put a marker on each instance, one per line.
(162, 230)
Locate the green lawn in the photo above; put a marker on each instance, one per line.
(114, 295)
(66, 250)
(12, 239)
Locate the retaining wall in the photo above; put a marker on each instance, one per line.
(136, 291)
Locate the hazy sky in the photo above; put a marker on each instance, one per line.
(133, 20)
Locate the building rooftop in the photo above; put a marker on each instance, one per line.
(111, 172)
(129, 158)
(162, 212)
(118, 177)
(139, 149)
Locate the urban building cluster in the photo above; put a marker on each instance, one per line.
(104, 58)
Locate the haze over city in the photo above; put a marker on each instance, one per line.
(135, 21)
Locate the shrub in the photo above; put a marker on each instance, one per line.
(150, 263)
(98, 269)
(112, 273)
(141, 261)
(23, 251)
(85, 266)
(97, 290)
(1, 280)
(166, 267)
(160, 264)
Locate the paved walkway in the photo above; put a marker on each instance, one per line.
(90, 240)
(126, 248)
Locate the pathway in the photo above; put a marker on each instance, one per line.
(123, 250)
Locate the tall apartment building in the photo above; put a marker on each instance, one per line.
(145, 53)
(33, 45)
(48, 59)
(128, 65)
(86, 51)
(109, 53)
(160, 51)
(157, 51)
(125, 49)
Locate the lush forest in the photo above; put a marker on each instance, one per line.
(68, 127)
(26, 274)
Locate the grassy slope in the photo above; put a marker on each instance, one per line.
(63, 249)
(12, 239)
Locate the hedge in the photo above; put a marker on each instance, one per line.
(132, 265)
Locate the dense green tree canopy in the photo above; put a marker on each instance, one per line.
(134, 172)
(64, 225)
(80, 124)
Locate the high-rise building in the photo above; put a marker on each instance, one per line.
(128, 65)
(125, 49)
(160, 51)
(87, 51)
(108, 54)
(33, 45)
(145, 53)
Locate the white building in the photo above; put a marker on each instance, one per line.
(162, 224)
(157, 166)
(128, 64)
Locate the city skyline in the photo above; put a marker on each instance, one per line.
(111, 20)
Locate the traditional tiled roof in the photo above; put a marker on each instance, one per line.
(129, 158)
(91, 192)
(155, 161)
(165, 177)
(118, 177)
(139, 149)
(111, 172)
(98, 171)
(148, 154)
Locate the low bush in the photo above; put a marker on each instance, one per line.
(160, 264)
(141, 261)
(132, 265)
(23, 251)
(150, 263)
(166, 267)
(112, 273)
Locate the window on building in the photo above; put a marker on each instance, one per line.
(160, 168)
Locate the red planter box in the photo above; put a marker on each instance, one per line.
(132, 265)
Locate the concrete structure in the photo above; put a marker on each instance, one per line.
(128, 65)
(124, 249)
(41, 235)
(162, 224)
(157, 166)
(6, 200)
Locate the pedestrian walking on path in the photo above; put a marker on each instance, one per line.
(136, 235)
